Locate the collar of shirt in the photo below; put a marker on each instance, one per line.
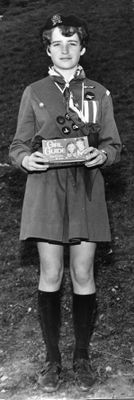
(79, 74)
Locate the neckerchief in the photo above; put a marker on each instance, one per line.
(64, 86)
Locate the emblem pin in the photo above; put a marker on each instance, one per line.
(75, 127)
(66, 130)
(89, 96)
(60, 119)
(67, 116)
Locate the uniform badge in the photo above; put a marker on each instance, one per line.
(56, 19)
(89, 87)
(89, 96)
(66, 130)
(75, 127)
(60, 119)
(41, 104)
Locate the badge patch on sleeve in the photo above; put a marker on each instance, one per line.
(107, 92)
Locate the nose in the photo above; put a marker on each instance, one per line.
(64, 48)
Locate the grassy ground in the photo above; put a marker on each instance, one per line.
(109, 60)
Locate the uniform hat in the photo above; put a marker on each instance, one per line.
(70, 20)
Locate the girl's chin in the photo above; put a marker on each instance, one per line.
(65, 65)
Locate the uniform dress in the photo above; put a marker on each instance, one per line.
(65, 204)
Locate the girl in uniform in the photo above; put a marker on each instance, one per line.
(65, 204)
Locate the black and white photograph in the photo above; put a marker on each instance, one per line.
(66, 199)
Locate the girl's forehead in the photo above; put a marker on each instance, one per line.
(57, 35)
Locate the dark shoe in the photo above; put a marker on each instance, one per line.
(84, 375)
(50, 377)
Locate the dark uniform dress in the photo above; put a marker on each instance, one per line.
(68, 203)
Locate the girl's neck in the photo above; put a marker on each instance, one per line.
(67, 74)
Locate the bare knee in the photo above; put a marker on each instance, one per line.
(51, 267)
(82, 273)
(82, 268)
(51, 271)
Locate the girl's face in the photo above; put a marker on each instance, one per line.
(71, 148)
(65, 51)
(80, 145)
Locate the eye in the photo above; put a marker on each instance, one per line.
(73, 43)
(56, 44)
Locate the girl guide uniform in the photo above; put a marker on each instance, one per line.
(65, 204)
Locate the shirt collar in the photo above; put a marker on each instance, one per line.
(79, 74)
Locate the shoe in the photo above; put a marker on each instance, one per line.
(84, 375)
(50, 377)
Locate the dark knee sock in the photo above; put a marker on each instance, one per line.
(83, 310)
(49, 313)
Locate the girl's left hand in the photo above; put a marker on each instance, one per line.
(94, 157)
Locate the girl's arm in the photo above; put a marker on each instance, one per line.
(20, 146)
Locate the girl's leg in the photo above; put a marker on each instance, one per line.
(51, 266)
(51, 271)
(84, 298)
(82, 267)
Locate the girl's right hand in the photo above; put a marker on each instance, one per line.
(35, 162)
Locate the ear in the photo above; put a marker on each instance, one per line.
(83, 51)
(48, 51)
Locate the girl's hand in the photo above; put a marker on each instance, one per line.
(94, 157)
(35, 162)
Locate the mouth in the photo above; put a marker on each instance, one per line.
(65, 58)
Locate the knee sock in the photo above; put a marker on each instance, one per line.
(83, 310)
(49, 313)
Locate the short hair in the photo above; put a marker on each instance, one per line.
(68, 26)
